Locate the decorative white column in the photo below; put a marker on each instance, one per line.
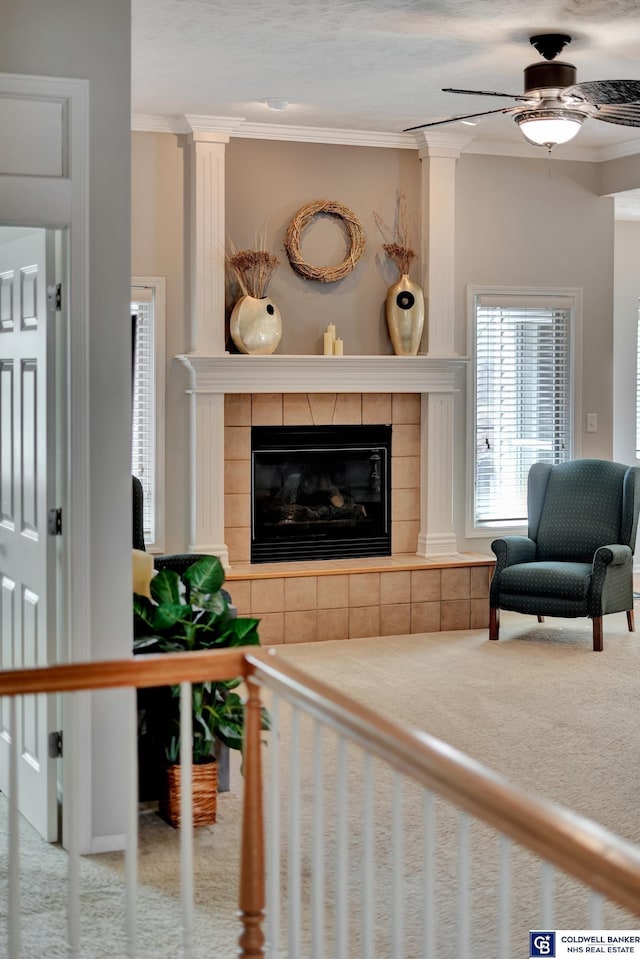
(207, 475)
(437, 536)
(439, 152)
(206, 230)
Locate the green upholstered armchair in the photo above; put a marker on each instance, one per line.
(578, 557)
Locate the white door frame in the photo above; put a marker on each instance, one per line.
(59, 198)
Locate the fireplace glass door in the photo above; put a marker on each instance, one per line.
(320, 492)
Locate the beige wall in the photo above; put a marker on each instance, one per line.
(539, 223)
(267, 182)
(519, 222)
(627, 301)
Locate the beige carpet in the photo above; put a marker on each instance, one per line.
(538, 706)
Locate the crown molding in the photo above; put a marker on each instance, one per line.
(303, 134)
(156, 123)
(434, 143)
(215, 128)
(441, 143)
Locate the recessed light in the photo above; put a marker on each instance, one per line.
(276, 103)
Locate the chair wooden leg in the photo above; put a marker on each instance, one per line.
(541, 619)
(631, 622)
(494, 622)
(597, 634)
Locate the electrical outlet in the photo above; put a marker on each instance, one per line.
(592, 422)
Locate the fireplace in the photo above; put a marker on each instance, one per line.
(321, 492)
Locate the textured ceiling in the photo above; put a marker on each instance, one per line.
(375, 65)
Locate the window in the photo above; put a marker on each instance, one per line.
(522, 398)
(147, 423)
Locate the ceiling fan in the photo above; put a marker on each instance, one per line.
(553, 106)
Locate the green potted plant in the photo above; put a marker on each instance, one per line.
(187, 612)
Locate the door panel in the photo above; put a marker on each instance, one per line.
(27, 552)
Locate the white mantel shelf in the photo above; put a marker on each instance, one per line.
(240, 373)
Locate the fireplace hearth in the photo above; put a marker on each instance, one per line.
(321, 492)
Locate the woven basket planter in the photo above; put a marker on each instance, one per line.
(205, 795)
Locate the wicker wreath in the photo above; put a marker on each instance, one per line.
(300, 222)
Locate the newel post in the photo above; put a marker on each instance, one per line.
(251, 897)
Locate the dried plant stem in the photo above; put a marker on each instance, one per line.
(253, 269)
(399, 250)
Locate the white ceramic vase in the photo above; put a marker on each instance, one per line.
(405, 316)
(256, 325)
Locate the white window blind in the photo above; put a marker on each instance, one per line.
(523, 390)
(147, 404)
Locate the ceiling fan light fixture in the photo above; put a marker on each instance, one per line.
(548, 128)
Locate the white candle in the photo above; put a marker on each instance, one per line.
(328, 344)
(338, 348)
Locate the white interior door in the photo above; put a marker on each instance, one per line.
(27, 489)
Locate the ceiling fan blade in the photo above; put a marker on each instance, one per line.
(623, 114)
(606, 91)
(464, 116)
(485, 93)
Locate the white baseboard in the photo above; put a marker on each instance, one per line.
(115, 843)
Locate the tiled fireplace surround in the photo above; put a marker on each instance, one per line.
(426, 585)
(349, 598)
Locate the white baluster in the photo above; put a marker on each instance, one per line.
(595, 911)
(342, 840)
(397, 908)
(546, 895)
(368, 900)
(14, 841)
(294, 836)
(317, 869)
(273, 834)
(186, 817)
(504, 899)
(429, 876)
(131, 850)
(464, 898)
(71, 810)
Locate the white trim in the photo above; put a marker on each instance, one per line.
(115, 843)
(238, 127)
(575, 294)
(64, 203)
(151, 123)
(158, 285)
(234, 373)
(305, 134)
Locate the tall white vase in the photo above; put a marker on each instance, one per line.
(256, 325)
(405, 316)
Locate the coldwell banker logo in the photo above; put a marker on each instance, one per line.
(542, 944)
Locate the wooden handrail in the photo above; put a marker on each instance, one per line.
(157, 669)
(589, 852)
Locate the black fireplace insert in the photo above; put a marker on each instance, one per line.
(321, 492)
